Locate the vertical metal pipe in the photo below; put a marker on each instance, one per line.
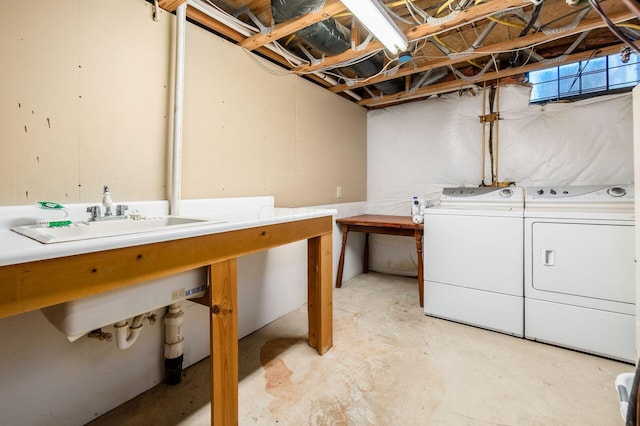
(497, 145)
(178, 113)
(484, 127)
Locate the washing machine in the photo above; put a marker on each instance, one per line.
(473, 258)
(579, 268)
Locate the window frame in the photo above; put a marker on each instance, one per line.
(580, 77)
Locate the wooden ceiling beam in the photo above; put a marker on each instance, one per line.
(170, 5)
(283, 29)
(451, 86)
(209, 22)
(464, 17)
(505, 46)
(213, 24)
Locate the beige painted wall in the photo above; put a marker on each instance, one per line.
(250, 130)
(86, 90)
(84, 94)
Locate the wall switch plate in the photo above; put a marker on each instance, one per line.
(338, 191)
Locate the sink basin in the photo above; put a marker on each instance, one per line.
(107, 228)
(78, 317)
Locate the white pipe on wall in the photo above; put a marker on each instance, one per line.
(178, 111)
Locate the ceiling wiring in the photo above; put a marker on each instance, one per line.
(425, 22)
(236, 20)
(596, 6)
(633, 6)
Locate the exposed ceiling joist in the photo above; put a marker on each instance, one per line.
(505, 34)
(455, 85)
(170, 5)
(284, 29)
(466, 16)
(505, 46)
(203, 19)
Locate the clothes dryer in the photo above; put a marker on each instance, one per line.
(473, 258)
(579, 268)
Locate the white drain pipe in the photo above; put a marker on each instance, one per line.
(127, 335)
(173, 344)
(178, 111)
(174, 340)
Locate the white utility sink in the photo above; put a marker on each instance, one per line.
(78, 317)
(107, 228)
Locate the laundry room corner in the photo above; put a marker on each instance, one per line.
(439, 143)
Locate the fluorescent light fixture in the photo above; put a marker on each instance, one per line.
(375, 18)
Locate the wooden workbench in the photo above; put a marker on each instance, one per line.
(381, 224)
(34, 285)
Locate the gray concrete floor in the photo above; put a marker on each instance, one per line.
(392, 365)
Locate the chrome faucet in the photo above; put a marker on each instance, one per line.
(107, 203)
(95, 212)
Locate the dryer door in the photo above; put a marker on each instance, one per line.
(594, 260)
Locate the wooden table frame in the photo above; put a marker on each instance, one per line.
(381, 224)
(29, 286)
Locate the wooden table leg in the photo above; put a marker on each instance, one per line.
(345, 231)
(319, 293)
(365, 256)
(224, 343)
(418, 236)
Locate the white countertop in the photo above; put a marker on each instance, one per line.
(15, 248)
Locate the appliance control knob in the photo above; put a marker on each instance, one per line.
(507, 192)
(553, 192)
(616, 191)
(540, 191)
(565, 192)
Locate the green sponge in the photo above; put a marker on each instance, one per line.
(49, 205)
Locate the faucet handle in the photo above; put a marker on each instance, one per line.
(121, 209)
(95, 211)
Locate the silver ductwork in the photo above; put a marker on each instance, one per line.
(330, 38)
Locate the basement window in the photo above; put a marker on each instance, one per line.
(593, 77)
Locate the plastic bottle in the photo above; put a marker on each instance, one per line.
(415, 206)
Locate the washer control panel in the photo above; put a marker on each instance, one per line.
(581, 193)
(485, 191)
(509, 197)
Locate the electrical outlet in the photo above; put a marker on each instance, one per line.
(338, 191)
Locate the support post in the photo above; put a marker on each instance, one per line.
(224, 343)
(319, 293)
